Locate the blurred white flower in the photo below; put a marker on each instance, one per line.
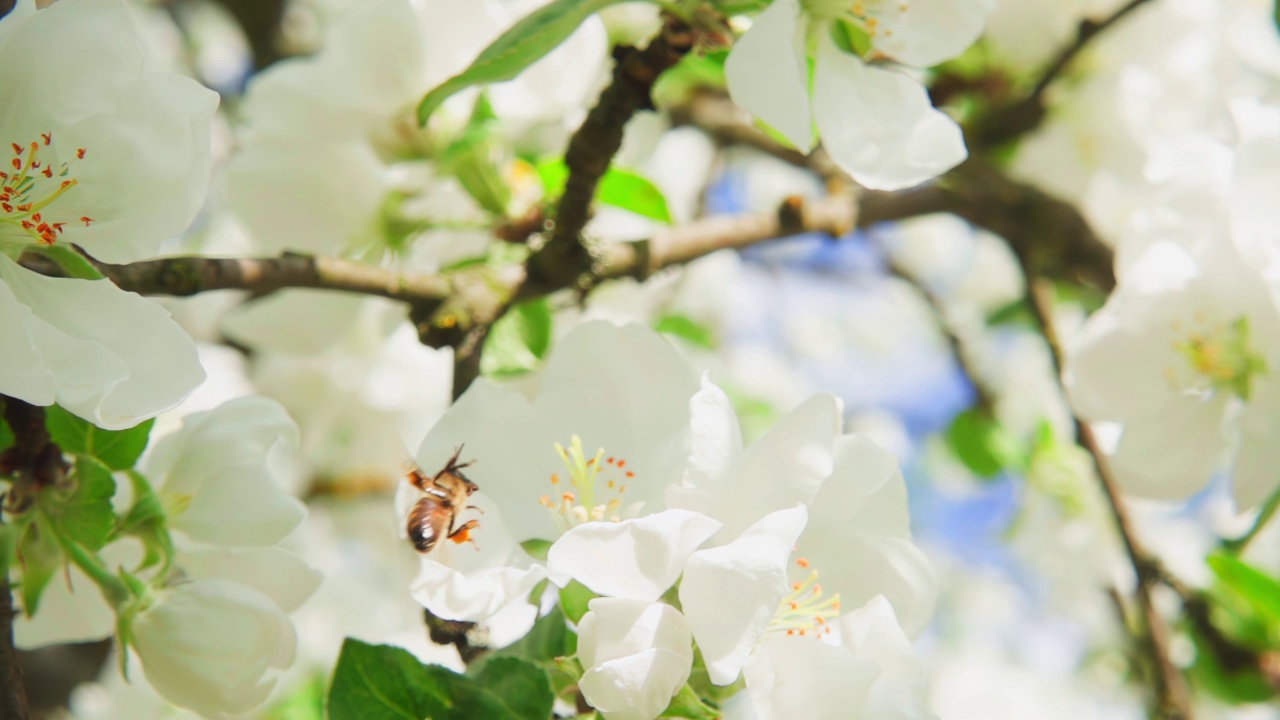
(214, 479)
(877, 123)
(1183, 354)
(114, 157)
(360, 385)
(207, 645)
(637, 656)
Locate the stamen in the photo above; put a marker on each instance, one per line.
(25, 195)
(586, 475)
(804, 611)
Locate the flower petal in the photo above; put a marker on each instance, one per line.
(1173, 455)
(927, 32)
(1254, 478)
(276, 573)
(637, 559)
(767, 74)
(878, 124)
(794, 677)
(115, 357)
(730, 593)
(472, 596)
(858, 536)
(637, 656)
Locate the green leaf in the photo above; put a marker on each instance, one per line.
(548, 639)
(87, 517)
(574, 598)
(6, 435)
(1258, 589)
(117, 449)
(1223, 673)
(520, 46)
(518, 341)
(41, 559)
(381, 682)
(982, 444)
(694, 73)
(512, 686)
(1275, 14)
(687, 329)
(620, 188)
(687, 704)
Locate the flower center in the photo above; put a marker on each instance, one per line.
(867, 15)
(1218, 358)
(594, 489)
(805, 610)
(31, 183)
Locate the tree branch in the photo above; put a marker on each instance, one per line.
(1025, 115)
(1171, 698)
(563, 258)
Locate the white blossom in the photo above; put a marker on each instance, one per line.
(877, 123)
(637, 656)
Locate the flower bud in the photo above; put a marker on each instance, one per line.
(637, 654)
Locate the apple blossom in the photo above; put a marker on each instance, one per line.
(1182, 355)
(634, 409)
(110, 155)
(877, 123)
(207, 644)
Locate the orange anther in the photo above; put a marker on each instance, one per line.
(555, 479)
(48, 137)
(802, 562)
(630, 474)
(80, 153)
(86, 220)
(17, 149)
(622, 463)
(568, 496)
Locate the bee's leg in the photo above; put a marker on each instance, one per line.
(473, 507)
(463, 533)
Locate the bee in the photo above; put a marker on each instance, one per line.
(444, 498)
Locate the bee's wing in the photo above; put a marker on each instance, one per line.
(428, 522)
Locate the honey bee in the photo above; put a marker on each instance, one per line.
(444, 498)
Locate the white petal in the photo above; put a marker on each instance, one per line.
(1172, 455)
(281, 322)
(207, 645)
(637, 559)
(472, 596)
(71, 610)
(320, 198)
(637, 656)
(730, 593)
(782, 468)
(244, 505)
(767, 74)
(146, 168)
(717, 438)
(858, 537)
(24, 375)
(624, 389)
(878, 124)
(872, 633)
(795, 677)
(928, 32)
(371, 65)
(276, 573)
(116, 358)
(1255, 476)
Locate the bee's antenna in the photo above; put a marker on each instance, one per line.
(453, 463)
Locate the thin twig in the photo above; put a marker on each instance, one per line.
(591, 149)
(1172, 701)
(1026, 114)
